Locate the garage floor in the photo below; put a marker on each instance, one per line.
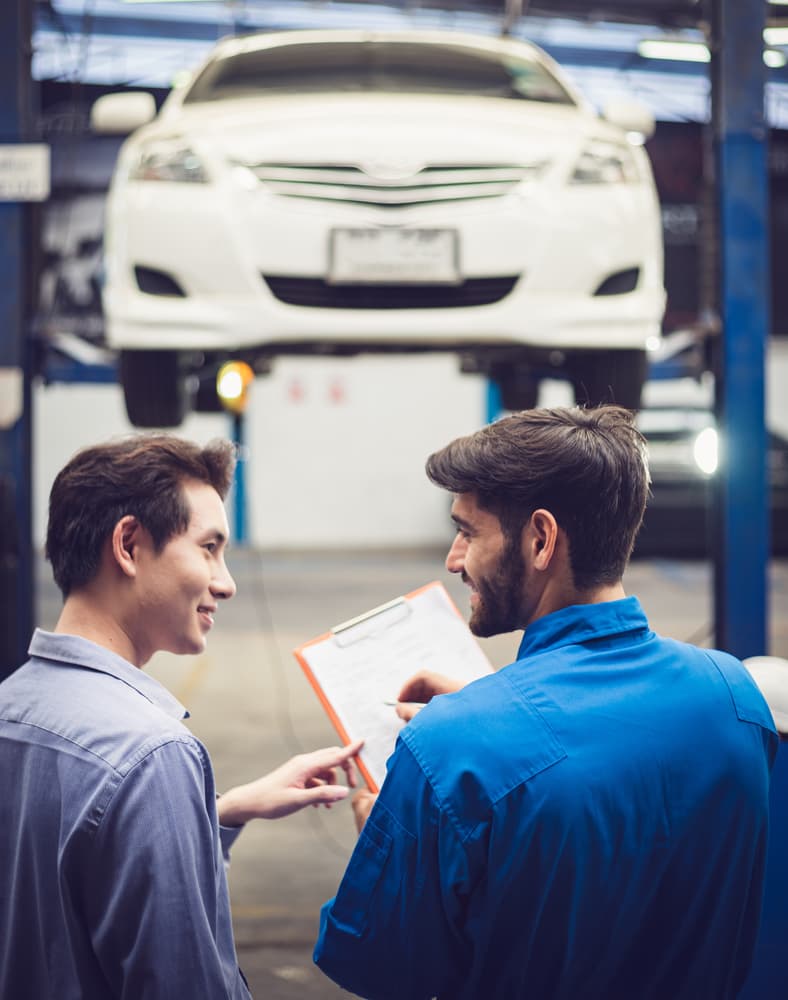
(251, 705)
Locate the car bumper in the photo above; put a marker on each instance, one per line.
(220, 244)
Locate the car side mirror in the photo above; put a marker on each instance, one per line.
(122, 113)
(631, 116)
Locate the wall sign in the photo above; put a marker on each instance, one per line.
(24, 171)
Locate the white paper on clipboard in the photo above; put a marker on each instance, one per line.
(361, 664)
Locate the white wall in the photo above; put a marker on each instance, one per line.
(336, 448)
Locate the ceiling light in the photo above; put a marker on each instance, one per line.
(773, 58)
(775, 36)
(664, 48)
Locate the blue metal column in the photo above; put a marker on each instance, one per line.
(739, 139)
(16, 551)
(240, 535)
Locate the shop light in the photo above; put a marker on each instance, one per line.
(674, 49)
(706, 450)
(680, 50)
(232, 385)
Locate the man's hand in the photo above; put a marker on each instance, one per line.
(362, 803)
(308, 779)
(420, 689)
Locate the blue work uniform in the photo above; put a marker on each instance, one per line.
(589, 822)
(112, 882)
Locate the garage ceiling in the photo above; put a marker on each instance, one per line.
(668, 13)
(147, 43)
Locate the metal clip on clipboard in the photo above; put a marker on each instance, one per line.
(371, 622)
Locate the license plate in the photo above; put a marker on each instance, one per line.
(393, 256)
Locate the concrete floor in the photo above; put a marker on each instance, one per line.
(253, 708)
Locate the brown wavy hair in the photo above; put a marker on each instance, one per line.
(588, 467)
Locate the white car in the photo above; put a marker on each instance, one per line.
(339, 192)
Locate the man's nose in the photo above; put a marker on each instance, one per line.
(455, 559)
(223, 585)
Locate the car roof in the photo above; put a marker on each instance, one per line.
(270, 39)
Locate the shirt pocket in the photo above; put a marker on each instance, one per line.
(362, 880)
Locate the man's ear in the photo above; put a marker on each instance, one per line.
(124, 544)
(541, 538)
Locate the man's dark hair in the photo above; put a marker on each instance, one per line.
(587, 467)
(140, 475)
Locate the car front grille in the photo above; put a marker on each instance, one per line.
(352, 185)
(316, 293)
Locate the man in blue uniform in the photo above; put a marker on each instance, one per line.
(590, 821)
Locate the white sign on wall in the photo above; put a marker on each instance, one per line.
(24, 171)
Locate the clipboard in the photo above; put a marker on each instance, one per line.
(358, 668)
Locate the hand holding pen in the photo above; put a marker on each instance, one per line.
(420, 689)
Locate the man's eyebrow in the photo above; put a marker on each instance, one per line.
(215, 535)
(460, 522)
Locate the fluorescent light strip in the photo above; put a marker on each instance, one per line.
(680, 51)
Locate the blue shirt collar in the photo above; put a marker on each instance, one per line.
(79, 652)
(580, 622)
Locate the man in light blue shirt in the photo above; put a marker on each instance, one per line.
(113, 841)
(591, 821)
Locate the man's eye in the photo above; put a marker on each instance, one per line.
(210, 546)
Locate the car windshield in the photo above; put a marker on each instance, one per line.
(389, 66)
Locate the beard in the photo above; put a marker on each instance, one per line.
(499, 596)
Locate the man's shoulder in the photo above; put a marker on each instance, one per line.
(86, 713)
(747, 698)
(488, 733)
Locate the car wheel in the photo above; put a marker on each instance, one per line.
(154, 388)
(517, 384)
(610, 377)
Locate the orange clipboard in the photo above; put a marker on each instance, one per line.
(358, 668)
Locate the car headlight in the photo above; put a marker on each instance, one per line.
(604, 163)
(168, 160)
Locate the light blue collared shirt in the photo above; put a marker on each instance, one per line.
(112, 861)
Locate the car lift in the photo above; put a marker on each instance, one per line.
(739, 138)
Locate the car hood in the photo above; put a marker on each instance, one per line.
(416, 130)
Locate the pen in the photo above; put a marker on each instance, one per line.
(415, 704)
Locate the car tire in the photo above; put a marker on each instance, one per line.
(154, 388)
(610, 377)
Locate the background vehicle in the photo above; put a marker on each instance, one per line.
(680, 428)
(339, 192)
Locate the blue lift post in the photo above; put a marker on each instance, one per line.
(742, 509)
(739, 142)
(16, 550)
(240, 536)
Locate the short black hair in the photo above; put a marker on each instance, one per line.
(140, 475)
